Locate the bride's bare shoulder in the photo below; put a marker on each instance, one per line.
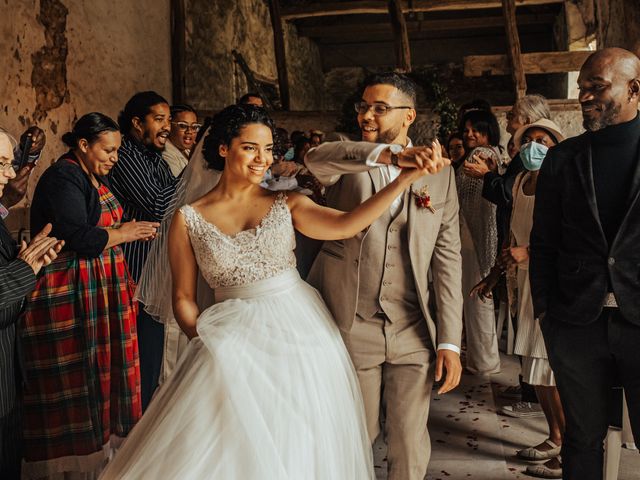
(204, 202)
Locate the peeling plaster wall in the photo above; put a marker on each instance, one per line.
(64, 58)
(215, 28)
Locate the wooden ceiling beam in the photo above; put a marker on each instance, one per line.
(349, 31)
(400, 36)
(281, 57)
(533, 63)
(514, 53)
(325, 9)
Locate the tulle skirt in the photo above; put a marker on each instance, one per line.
(267, 391)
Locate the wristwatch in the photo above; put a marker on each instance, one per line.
(395, 149)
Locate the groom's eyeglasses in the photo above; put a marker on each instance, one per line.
(379, 109)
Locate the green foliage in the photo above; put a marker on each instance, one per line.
(437, 96)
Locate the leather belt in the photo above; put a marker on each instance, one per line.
(610, 301)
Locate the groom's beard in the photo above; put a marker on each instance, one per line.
(389, 135)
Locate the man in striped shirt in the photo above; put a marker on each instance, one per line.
(143, 184)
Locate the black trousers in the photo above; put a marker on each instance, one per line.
(11, 444)
(150, 347)
(588, 361)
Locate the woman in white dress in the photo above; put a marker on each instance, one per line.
(265, 388)
(479, 243)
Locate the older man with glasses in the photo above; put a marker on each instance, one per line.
(184, 129)
(19, 266)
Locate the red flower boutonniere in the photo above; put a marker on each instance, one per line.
(423, 199)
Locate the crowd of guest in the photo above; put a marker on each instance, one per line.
(80, 359)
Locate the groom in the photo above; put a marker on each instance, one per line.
(375, 283)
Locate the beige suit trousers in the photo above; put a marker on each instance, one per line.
(395, 363)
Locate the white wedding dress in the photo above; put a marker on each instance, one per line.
(267, 390)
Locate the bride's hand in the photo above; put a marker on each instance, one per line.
(434, 164)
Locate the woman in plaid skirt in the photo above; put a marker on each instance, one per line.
(82, 393)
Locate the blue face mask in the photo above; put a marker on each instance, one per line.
(532, 154)
(290, 154)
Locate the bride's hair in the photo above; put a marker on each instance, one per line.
(226, 126)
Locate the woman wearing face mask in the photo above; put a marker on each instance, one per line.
(533, 142)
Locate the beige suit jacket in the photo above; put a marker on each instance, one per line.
(433, 238)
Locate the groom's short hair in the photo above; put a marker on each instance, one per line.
(402, 82)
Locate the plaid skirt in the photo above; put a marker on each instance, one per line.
(80, 345)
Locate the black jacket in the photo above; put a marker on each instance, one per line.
(17, 280)
(66, 198)
(498, 189)
(571, 263)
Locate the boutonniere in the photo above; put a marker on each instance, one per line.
(423, 199)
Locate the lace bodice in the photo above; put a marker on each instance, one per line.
(248, 256)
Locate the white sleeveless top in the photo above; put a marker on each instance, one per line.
(248, 256)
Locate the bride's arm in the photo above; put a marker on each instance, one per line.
(184, 272)
(323, 223)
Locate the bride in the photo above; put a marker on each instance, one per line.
(265, 388)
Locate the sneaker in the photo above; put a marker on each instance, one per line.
(534, 454)
(513, 391)
(522, 410)
(545, 470)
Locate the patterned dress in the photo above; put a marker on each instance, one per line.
(82, 394)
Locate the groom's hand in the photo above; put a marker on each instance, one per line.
(449, 361)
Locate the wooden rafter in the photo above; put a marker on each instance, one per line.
(513, 53)
(533, 63)
(401, 36)
(324, 9)
(281, 59)
(349, 31)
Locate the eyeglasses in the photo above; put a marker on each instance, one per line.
(184, 126)
(379, 109)
(5, 166)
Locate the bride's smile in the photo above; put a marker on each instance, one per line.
(249, 155)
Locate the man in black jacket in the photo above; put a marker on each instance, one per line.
(585, 260)
(18, 269)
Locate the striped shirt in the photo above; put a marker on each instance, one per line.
(16, 281)
(143, 184)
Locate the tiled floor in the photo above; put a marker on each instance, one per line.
(471, 441)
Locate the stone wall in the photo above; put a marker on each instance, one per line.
(216, 28)
(63, 58)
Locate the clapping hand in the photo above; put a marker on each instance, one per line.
(480, 166)
(133, 231)
(38, 139)
(42, 250)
